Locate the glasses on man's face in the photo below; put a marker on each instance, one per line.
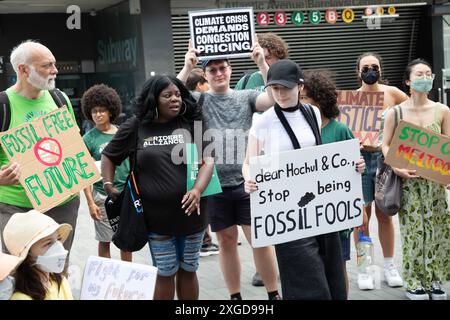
(221, 69)
(427, 76)
(374, 67)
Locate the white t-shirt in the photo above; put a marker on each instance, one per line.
(269, 130)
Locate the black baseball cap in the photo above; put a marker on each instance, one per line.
(286, 73)
(207, 61)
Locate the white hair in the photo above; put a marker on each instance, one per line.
(22, 53)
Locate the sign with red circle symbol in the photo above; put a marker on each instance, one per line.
(280, 18)
(263, 18)
(331, 16)
(48, 151)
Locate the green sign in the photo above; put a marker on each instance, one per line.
(298, 17)
(314, 17)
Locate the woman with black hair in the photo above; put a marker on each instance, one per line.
(165, 116)
(424, 213)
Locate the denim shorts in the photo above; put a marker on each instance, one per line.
(174, 252)
(368, 179)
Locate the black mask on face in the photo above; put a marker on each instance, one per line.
(370, 76)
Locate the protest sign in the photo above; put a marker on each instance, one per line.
(420, 149)
(55, 162)
(361, 112)
(305, 192)
(222, 33)
(109, 279)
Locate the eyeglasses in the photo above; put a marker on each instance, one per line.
(214, 71)
(428, 76)
(374, 67)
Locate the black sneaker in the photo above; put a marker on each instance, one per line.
(417, 294)
(436, 292)
(257, 281)
(209, 250)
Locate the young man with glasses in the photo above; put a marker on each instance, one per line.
(369, 71)
(227, 116)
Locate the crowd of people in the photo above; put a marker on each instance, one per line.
(302, 106)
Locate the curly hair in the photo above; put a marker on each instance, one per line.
(376, 56)
(274, 44)
(320, 88)
(147, 102)
(100, 95)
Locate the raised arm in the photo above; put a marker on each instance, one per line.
(190, 61)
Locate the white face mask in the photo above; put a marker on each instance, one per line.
(39, 82)
(6, 288)
(53, 259)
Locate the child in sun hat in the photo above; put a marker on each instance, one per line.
(38, 240)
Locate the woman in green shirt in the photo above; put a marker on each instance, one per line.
(101, 105)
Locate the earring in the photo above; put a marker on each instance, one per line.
(156, 112)
(185, 108)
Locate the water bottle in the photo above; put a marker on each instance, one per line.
(364, 251)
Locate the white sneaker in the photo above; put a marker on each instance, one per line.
(418, 294)
(365, 281)
(392, 276)
(436, 292)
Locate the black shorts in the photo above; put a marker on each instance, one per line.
(229, 208)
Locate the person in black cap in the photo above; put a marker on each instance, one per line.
(305, 271)
(227, 116)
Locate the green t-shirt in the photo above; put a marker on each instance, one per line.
(336, 131)
(96, 141)
(24, 110)
(255, 82)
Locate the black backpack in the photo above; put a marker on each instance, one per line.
(5, 107)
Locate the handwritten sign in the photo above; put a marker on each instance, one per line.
(222, 33)
(417, 148)
(361, 112)
(108, 279)
(55, 162)
(306, 192)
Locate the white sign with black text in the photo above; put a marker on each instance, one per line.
(109, 279)
(222, 33)
(305, 192)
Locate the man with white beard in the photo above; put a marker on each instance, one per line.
(32, 96)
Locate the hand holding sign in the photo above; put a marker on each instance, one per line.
(405, 173)
(258, 53)
(190, 59)
(10, 174)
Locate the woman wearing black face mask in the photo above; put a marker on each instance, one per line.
(369, 70)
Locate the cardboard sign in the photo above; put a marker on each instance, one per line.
(305, 192)
(417, 148)
(55, 162)
(361, 112)
(222, 33)
(108, 279)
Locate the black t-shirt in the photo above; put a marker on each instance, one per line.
(161, 181)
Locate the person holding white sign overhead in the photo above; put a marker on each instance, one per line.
(310, 268)
(424, 213)
(227, 115)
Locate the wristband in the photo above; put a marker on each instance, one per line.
(107, 182)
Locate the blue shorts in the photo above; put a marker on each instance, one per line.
(368, 179)
(169, 253)
(345, 247)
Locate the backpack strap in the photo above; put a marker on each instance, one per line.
(58, 97)
(5, 112)
(287, 127)
(201, 99)
(310, 116)
(246, 78)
